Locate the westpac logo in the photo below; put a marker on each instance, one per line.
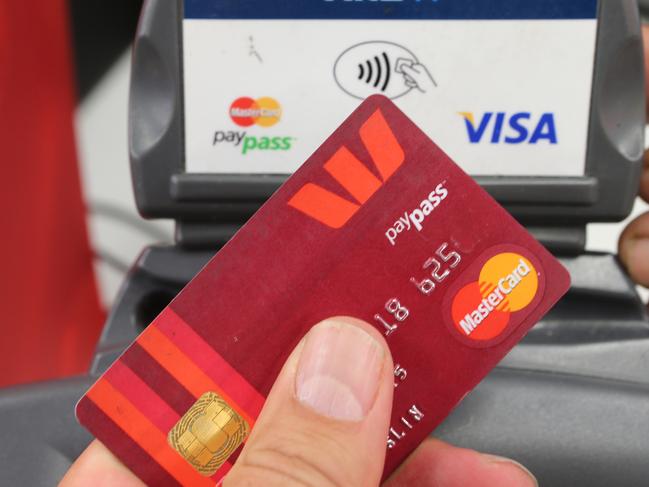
(345, 168)
(514, 128)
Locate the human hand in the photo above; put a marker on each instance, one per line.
(418, 76)
(325, 423)
(634, 242)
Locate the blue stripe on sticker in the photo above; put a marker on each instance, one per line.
(392, 9)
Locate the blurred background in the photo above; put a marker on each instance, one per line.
(73, 229)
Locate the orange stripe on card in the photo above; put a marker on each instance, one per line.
(382, 145)
(125, 415)
(323, 205)
(210, 361)
(183, 369)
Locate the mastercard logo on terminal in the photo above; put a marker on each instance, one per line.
(264, 112)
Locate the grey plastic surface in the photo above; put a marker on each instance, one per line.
(644, 6)
(562, 240)
(40, 435)
(613, 163)
(570, 431)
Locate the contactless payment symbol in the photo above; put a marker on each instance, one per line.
(507, 285)
(380, 67)
(264, 112)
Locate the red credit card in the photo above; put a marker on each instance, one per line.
(378, 224)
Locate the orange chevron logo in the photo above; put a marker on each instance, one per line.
(335, 211)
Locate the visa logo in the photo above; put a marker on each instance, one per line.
(516, 128)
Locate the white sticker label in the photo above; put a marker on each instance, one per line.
(501, 97)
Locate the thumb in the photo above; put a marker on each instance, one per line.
(326, 419)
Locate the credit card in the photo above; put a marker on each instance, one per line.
(379, 224)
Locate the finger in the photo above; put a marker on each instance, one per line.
(325, 421)
(437, 464)
(644, 182)
(100, 468)
(634, 249)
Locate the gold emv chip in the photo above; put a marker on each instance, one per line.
(208, 433)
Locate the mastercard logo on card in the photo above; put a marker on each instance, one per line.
(504, 292)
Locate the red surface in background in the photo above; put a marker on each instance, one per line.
(50, 315)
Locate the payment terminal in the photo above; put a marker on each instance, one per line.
(542, 102)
